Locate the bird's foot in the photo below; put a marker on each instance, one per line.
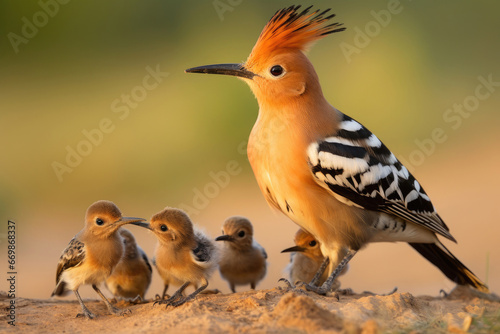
(320, 290)
(179, 302)
(137, 300)
(287, 282)
(303, 286)
(87, 314)
(117, 311)
(159, 301)
(383, 294)
(444, 293)
(299, 285)
(172, 301)
(158, 297)
(168, 301)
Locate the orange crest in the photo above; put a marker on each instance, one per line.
(289, 29)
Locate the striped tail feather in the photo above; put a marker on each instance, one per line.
(455, 270)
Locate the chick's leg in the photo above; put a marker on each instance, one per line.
(112, 309)
(85, 311)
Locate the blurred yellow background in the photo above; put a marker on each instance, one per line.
(96, 105)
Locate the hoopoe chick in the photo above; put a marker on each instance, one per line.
(168, 280)
(243, 260)
(132, 275)
(92, 254)
(185, 253)
(306, 261)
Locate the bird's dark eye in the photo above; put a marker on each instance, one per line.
(99, 221)
(241, 234)
(163, 227)
(312, 243)
(277, 70)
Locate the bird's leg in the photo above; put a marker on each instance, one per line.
(137, 300)
(164, 293)
(165, 288)
(175, 296)
(86, 313)
(191, 296)
(231, 285)
(319, 273)
(111, 308)
(162, 297)
(314, 280)
(325, 288)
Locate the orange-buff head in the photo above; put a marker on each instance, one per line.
(277, 69)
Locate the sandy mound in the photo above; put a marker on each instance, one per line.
(275, 310)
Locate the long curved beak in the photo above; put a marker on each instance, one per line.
(237, 70)
(293, 249)
(224, 237)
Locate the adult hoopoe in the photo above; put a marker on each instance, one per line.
(323, 169)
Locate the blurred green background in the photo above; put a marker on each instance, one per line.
(82, 60)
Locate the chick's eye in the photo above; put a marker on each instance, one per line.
(164, 227)
(276, 70)
(312, 243)
(99, 221)
(241, 234)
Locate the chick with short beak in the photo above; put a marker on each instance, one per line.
(184, 252)
(92, 254)
(243, 260)
(306, 260)
(132, 275)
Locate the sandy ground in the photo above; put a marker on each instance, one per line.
(275, 310)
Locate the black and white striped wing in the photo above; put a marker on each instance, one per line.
(360, 170)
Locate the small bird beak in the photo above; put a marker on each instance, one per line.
(225, 237)
(142, 224)
(237, 70)
(129, 220)
(293, 249)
